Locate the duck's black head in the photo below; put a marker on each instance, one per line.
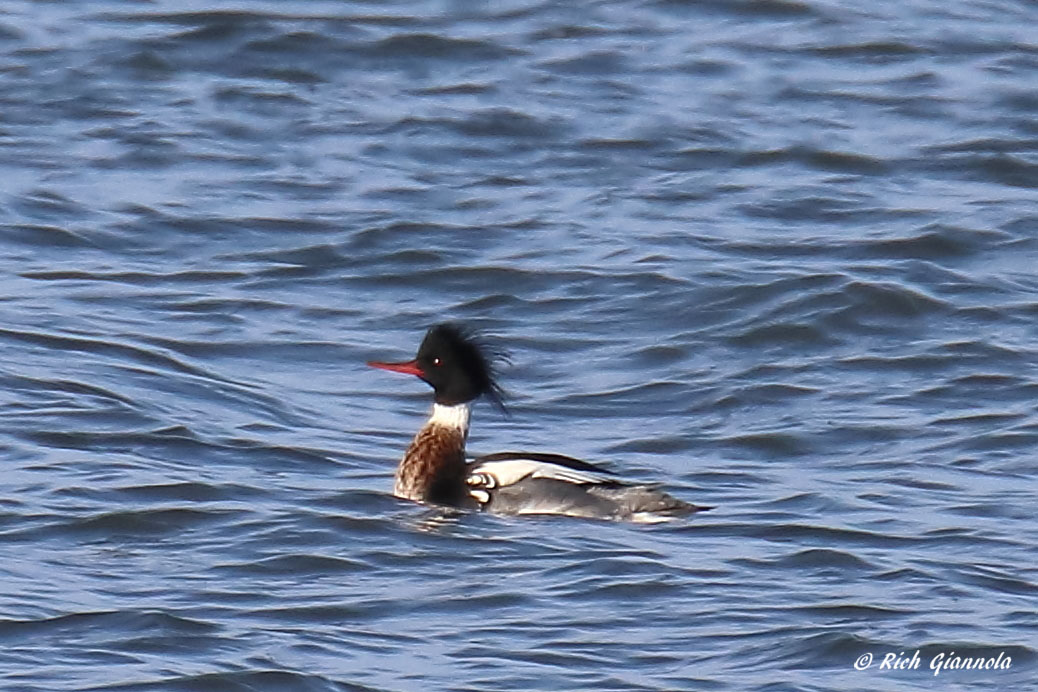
(456, 363)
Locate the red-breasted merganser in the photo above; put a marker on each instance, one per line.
(454, 362)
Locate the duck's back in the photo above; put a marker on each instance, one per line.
(526, 483)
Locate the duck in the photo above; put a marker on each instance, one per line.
(460, 366)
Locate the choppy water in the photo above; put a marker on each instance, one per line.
(779, 256)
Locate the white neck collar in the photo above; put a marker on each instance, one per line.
(454, 416)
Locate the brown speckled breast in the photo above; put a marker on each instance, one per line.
(433, 468)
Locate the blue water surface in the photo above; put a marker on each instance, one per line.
(777, 256)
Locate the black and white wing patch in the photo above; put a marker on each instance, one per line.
(492, 472)
(514, 483)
